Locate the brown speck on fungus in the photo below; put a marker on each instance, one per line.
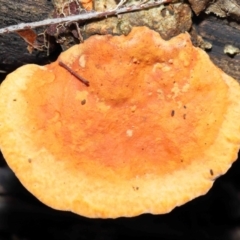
(83, 102)
(92, 156)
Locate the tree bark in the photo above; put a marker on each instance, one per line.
(221, 32)
(13, 49)
(14, 53)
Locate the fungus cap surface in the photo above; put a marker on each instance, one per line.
(157, 124)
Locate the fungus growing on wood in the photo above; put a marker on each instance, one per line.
(157, 123)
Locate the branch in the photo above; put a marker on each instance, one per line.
(82, 17)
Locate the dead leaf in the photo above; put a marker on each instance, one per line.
(29, 36)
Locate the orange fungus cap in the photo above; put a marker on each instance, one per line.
(156, 125)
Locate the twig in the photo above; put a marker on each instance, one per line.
(83, 80)
(82, 17)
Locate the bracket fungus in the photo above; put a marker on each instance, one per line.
(156, 125)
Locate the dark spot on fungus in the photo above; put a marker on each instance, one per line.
(135, 188)
(14, 100)
(172, 113)
(211, 172)
(83, 102)
(184, 116)
(185, 106)
(29, 160)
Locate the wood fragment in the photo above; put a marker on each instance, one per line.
(83, 80)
